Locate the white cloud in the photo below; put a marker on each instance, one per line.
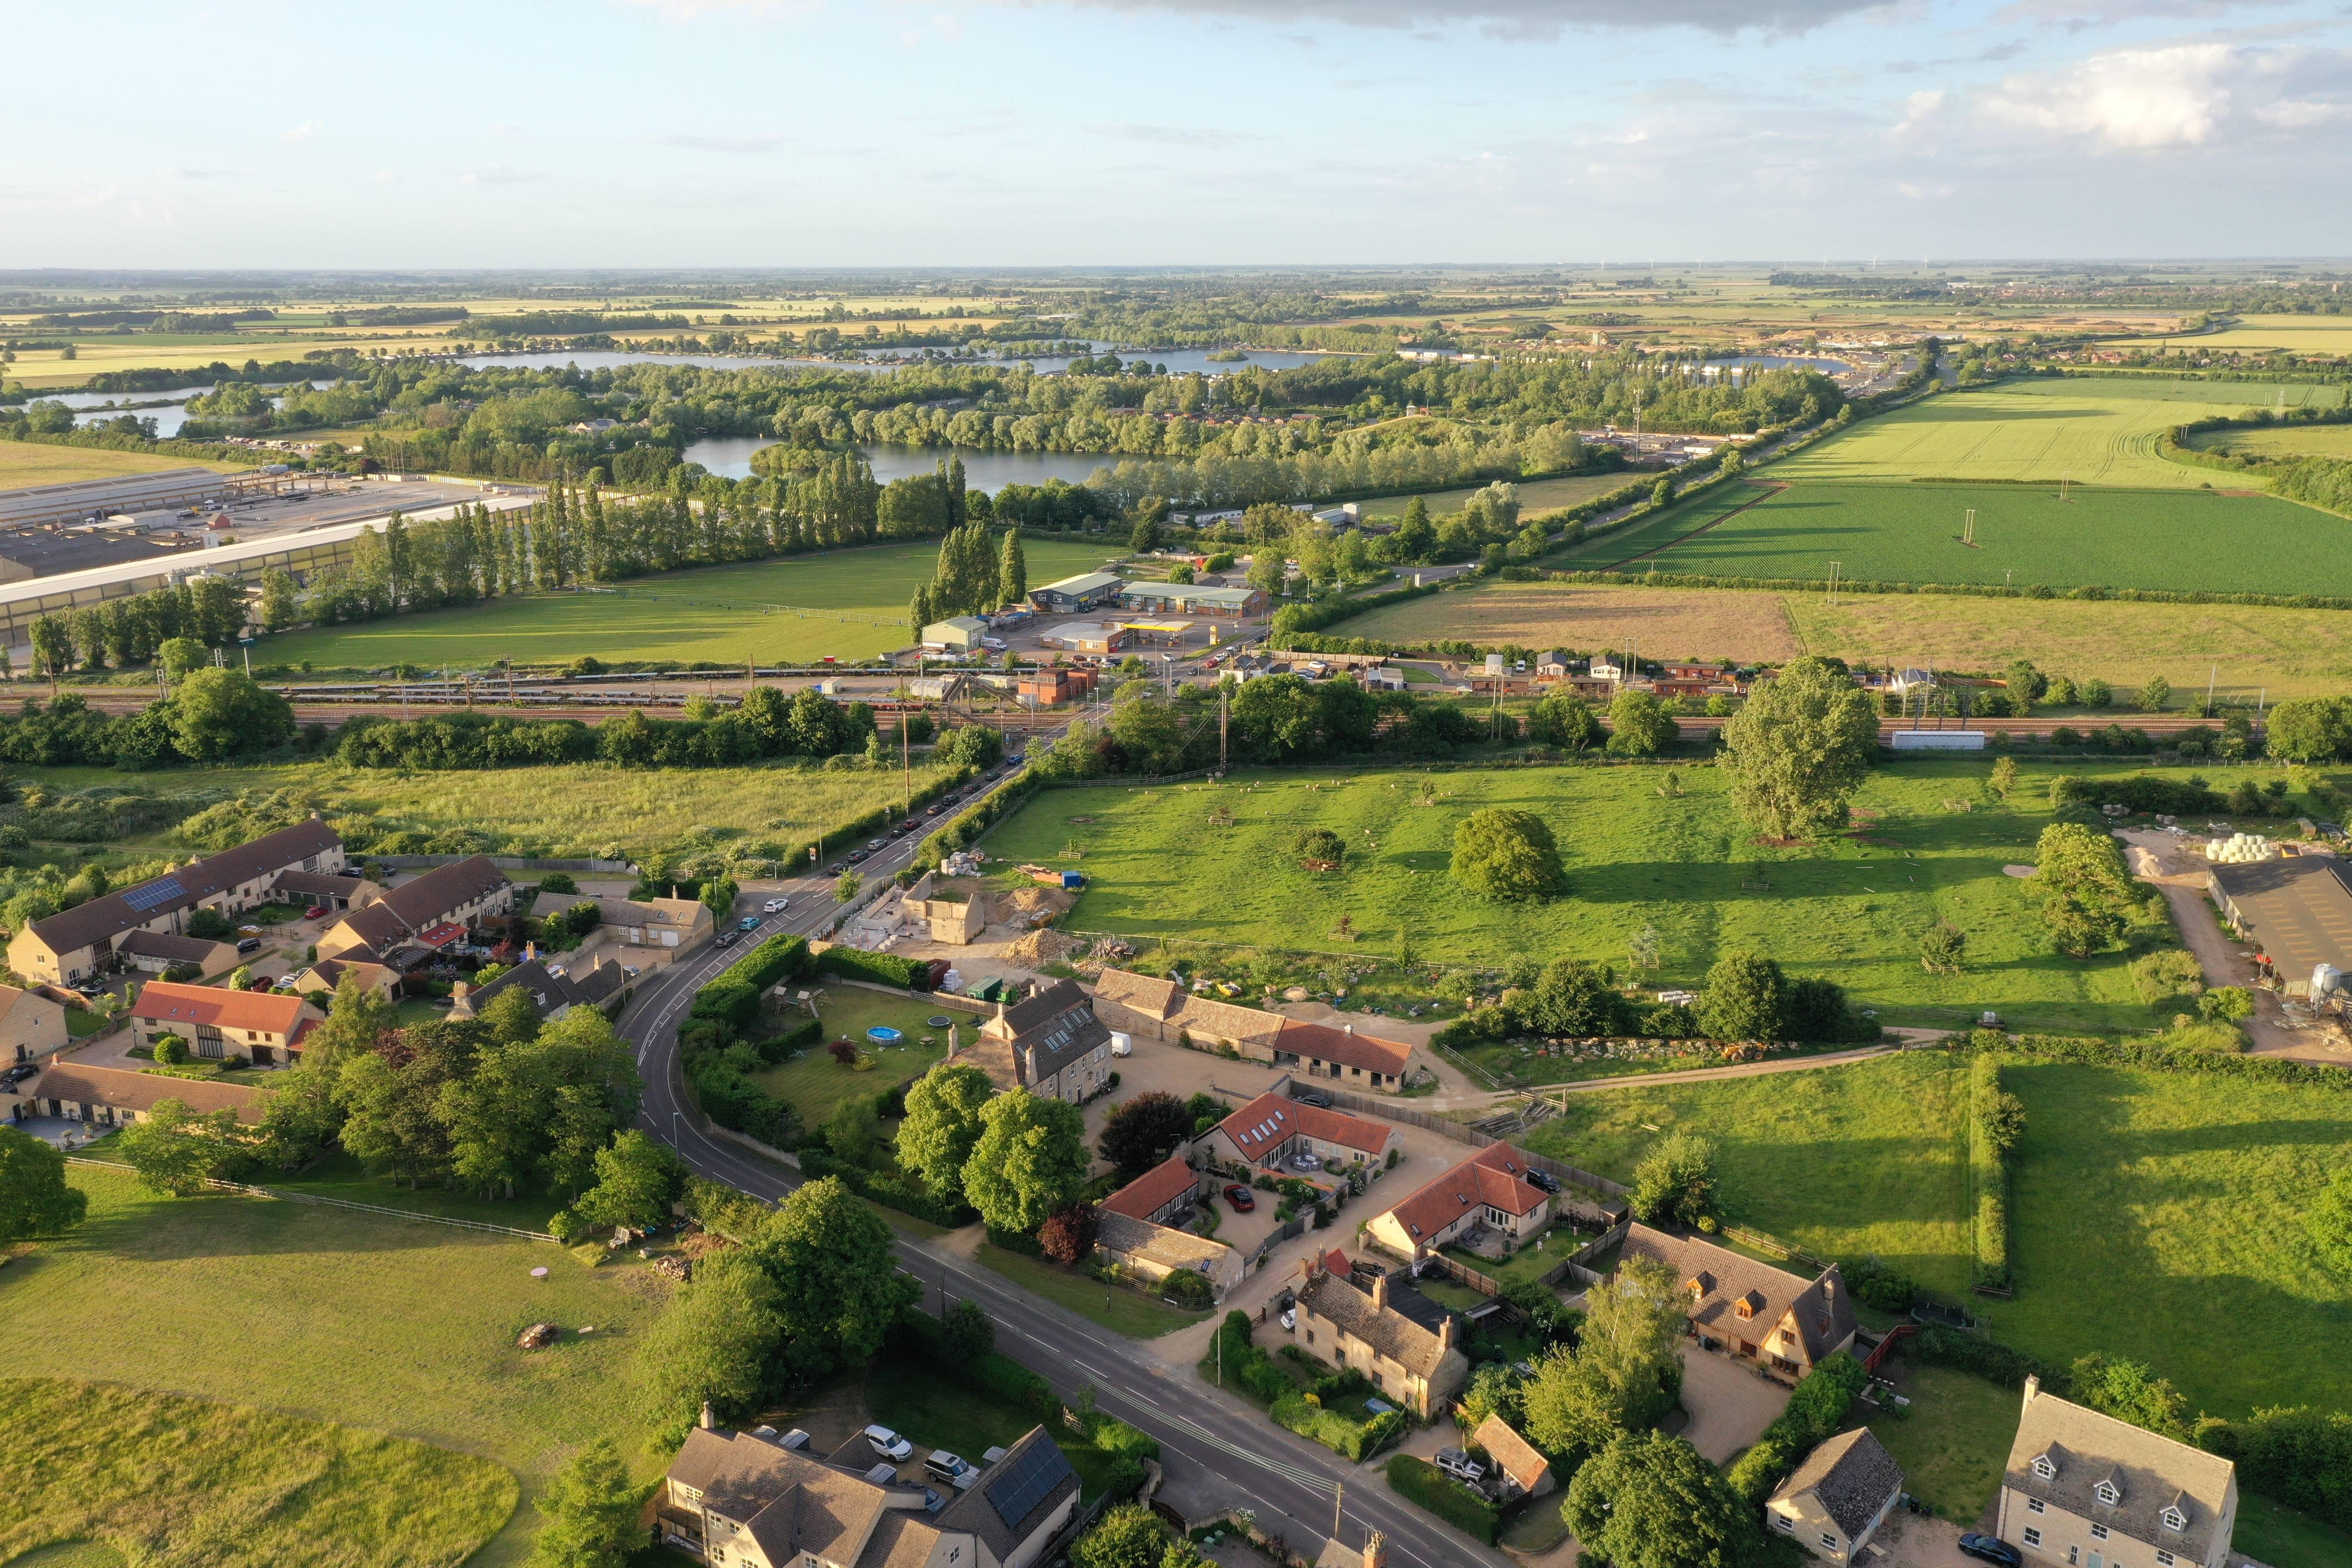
(1529, 18)
(304, 132)
(386, 177)
(2177, 96)
(1195, 136)
(194, 175)
(500, 174)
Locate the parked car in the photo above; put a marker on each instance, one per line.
(725, 938)
(857, 854)
(20, 1072)
(1543, 1179)
(748, 922)
(317, 912)
(248, 944)
(889, 1445)
(776, 906)
(1290, 1317)
(1461, 1467)
(835, 869)
(875, 843)
(1305, 1163)
(1241, 1198)
(1990, 1549)
(944, 1466)
(1313, 1099)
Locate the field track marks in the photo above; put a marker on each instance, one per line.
(1768, 488)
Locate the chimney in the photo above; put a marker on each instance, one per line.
(458, 992)
(709, 1423)
(1349, 1029)
(530, 951)
(1380, 1291)
(1446, 1334)
(1376, 1551)
(2032, 1386)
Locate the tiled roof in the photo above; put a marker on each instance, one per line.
(1495, 1176)
(1228, 1020)
(1852, 1475)
(1152, 998)
(168, 947)
(1389, 1332)
(143, 1091)
(1514, 1454)
(1154, 1190)
(1345, 1047)
(1270, 1121)
(2149, 1472)
(184, 888)
(165, 1002)
(1821, 1309)
(1164, 1244)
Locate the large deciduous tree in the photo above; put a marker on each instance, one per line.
(176, 1149)
(1030, 1162)
(838, 1289)
(1648, 1500)
(34, 1198)
(1509, 855)
(1675, 1182)
(1623, 1372)
(1141, 1132)
(592, 1508)
(1799, 749)
(1747, 998)
(714, 1343)
(941, 1124)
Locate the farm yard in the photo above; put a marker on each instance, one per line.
(2025, 533)
(1931, 847)
(384, 1324)
(721, 614)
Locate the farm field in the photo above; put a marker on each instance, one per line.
(1674, 623)
(24, 464)
(572, 809)
(387, 1325)
(2297, 334)
(1535, 495)
(169, 1480)
(1890, 532)
(2100, 430)
(723, 614)
(1849, 908)
(2281, 441)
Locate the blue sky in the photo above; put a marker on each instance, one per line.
(989, 134)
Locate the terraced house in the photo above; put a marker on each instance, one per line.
(264, 1026)
(433, 912)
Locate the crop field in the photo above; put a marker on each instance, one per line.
(723, 614)
(2100, 430)
(384, 1324)
(2191, 539)
(1673, 623)
(24, 464)
(1852, 909)
(577, 809)
(2297, 334)
(2281, 441)
(1535, 495)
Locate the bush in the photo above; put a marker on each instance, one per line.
(170, 1051)
(732, 995)
(1189, 1290)
(1996, 1121)
(1936, 1346)
(2299, 1456)
(1878, 1285)
(898, 1191)
(1418, 1481)
(882, 968)
(1816, 1410)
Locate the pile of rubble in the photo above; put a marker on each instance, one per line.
(1042, 947)
(538, 1337)
(671, 1267)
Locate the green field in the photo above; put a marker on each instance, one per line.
(2281, 441)
(24, 464)
(572, 810)
(1535, 495)
(1848, 908)
(131, 1475)
(725, 614)
(814, 1083)
(2100, 430)
(1136, 1316)
(385, 1324)
(2184, 538)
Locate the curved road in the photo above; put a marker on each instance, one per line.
(1208, 1441)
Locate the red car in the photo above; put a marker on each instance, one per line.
(1239, 1196)
(317, 912)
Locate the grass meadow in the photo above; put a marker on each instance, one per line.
(171, 1482)
(1536, 496)
(2282, 441)
(24, 464)
(725, 614)
(390, 1325)
(2102, 430)
(1852, 908)
(574, 809)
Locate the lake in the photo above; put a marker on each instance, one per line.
(731, 456)
(91, 407)
(1178, 361)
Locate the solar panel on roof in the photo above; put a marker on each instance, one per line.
(162, 890)
(1027, 1480)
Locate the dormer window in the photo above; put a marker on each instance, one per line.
(2174, 1519)
(2043, 1468)
(2108, 1493)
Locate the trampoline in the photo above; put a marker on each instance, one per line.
(883, 1035)
(939, 1020)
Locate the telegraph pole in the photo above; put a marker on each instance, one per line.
(1224, 716)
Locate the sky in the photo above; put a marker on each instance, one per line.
(1002, 133)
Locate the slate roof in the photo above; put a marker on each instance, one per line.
(1495, 1176)
(102, 918)
(320, 884)
(1821, 1309)
(143, 1091)
(1344, 1047)
(2151, 1472)
(1051, 1030)
(1514, 1454)
(1267, 1123)
(170, 948)
(1418, 1350)
(414, 907)
(1152, 998)
(1851, 1476)
(1164, 1244)
(1034, 1010)
(167, 1002)
(1154, 1190)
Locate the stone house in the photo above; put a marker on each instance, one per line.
(1521, 1468)
(1781, 1323)
(114, 1097)
(31, 1026)
(1489, 1189)
(2090, 1491)
(436, 910)
(1266, 1132)
(1834, 1501)
(1161, 1009)
(264, 1026)
(1408, 1363)
(1051, 1043)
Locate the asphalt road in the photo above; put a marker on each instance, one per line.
(1291, 1484)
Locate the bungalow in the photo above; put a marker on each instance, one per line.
(1522, 1471)
(745, 1501)
(1490, 1188)
(1834, 1502)
(553, 990)
(82, 942)
(1156, 1251)
(1071, 595)
(1776, 1321)
(1271, 1130)
(219, 1023)
(436, 908)
(1409, 1362)
(114, 1097)
(1552, 666)
(1160, 1195)
(1051, 1043)
(661, 929)
(31, 1026)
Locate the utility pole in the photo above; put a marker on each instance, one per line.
(2212, 674)
(1834, 577)
(906, 764)
(1225, 717)
(1339, 1500)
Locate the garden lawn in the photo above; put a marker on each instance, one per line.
(1890, 531)
(388, 1324)
(907, 1394)
(187, 1481)
(1849, 908)
(726, 613)
(1844, 1161)
(2102, 430)
(2160, 1216)
(814, 1083)
(1954, 1443)
(574, 810)
(1122, 1311)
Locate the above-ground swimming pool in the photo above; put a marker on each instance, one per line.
(883, 1035)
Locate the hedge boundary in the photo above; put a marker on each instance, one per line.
(1419, 1482)
(1988, 1177)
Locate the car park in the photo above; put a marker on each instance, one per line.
(1990, 1549)
(1241, 1198)
(889, 1444)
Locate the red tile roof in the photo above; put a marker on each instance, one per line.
(1270, 1121)
(1347, 1047)
(166, 1002)
(1495, 1176)
(1145, 1197)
